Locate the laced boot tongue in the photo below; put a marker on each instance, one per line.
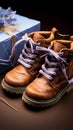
(57, 46)
(41, 37)
(37, 37)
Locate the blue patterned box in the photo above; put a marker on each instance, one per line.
(25, 25)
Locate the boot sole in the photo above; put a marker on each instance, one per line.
(11, 89)
(46, 103)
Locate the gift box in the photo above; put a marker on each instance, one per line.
(9, 37)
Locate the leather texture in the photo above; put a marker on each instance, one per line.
(42, 88)
(20, 76)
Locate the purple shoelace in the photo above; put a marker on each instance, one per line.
(24, 39)
(29, 52)
(51, 67)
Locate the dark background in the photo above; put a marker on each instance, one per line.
(57, 14)
(50, 13)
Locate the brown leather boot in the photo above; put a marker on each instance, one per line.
(55, 76)
(29, 61)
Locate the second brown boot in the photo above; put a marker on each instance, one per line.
(55, 77)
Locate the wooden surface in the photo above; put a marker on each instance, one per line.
(58, 117)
